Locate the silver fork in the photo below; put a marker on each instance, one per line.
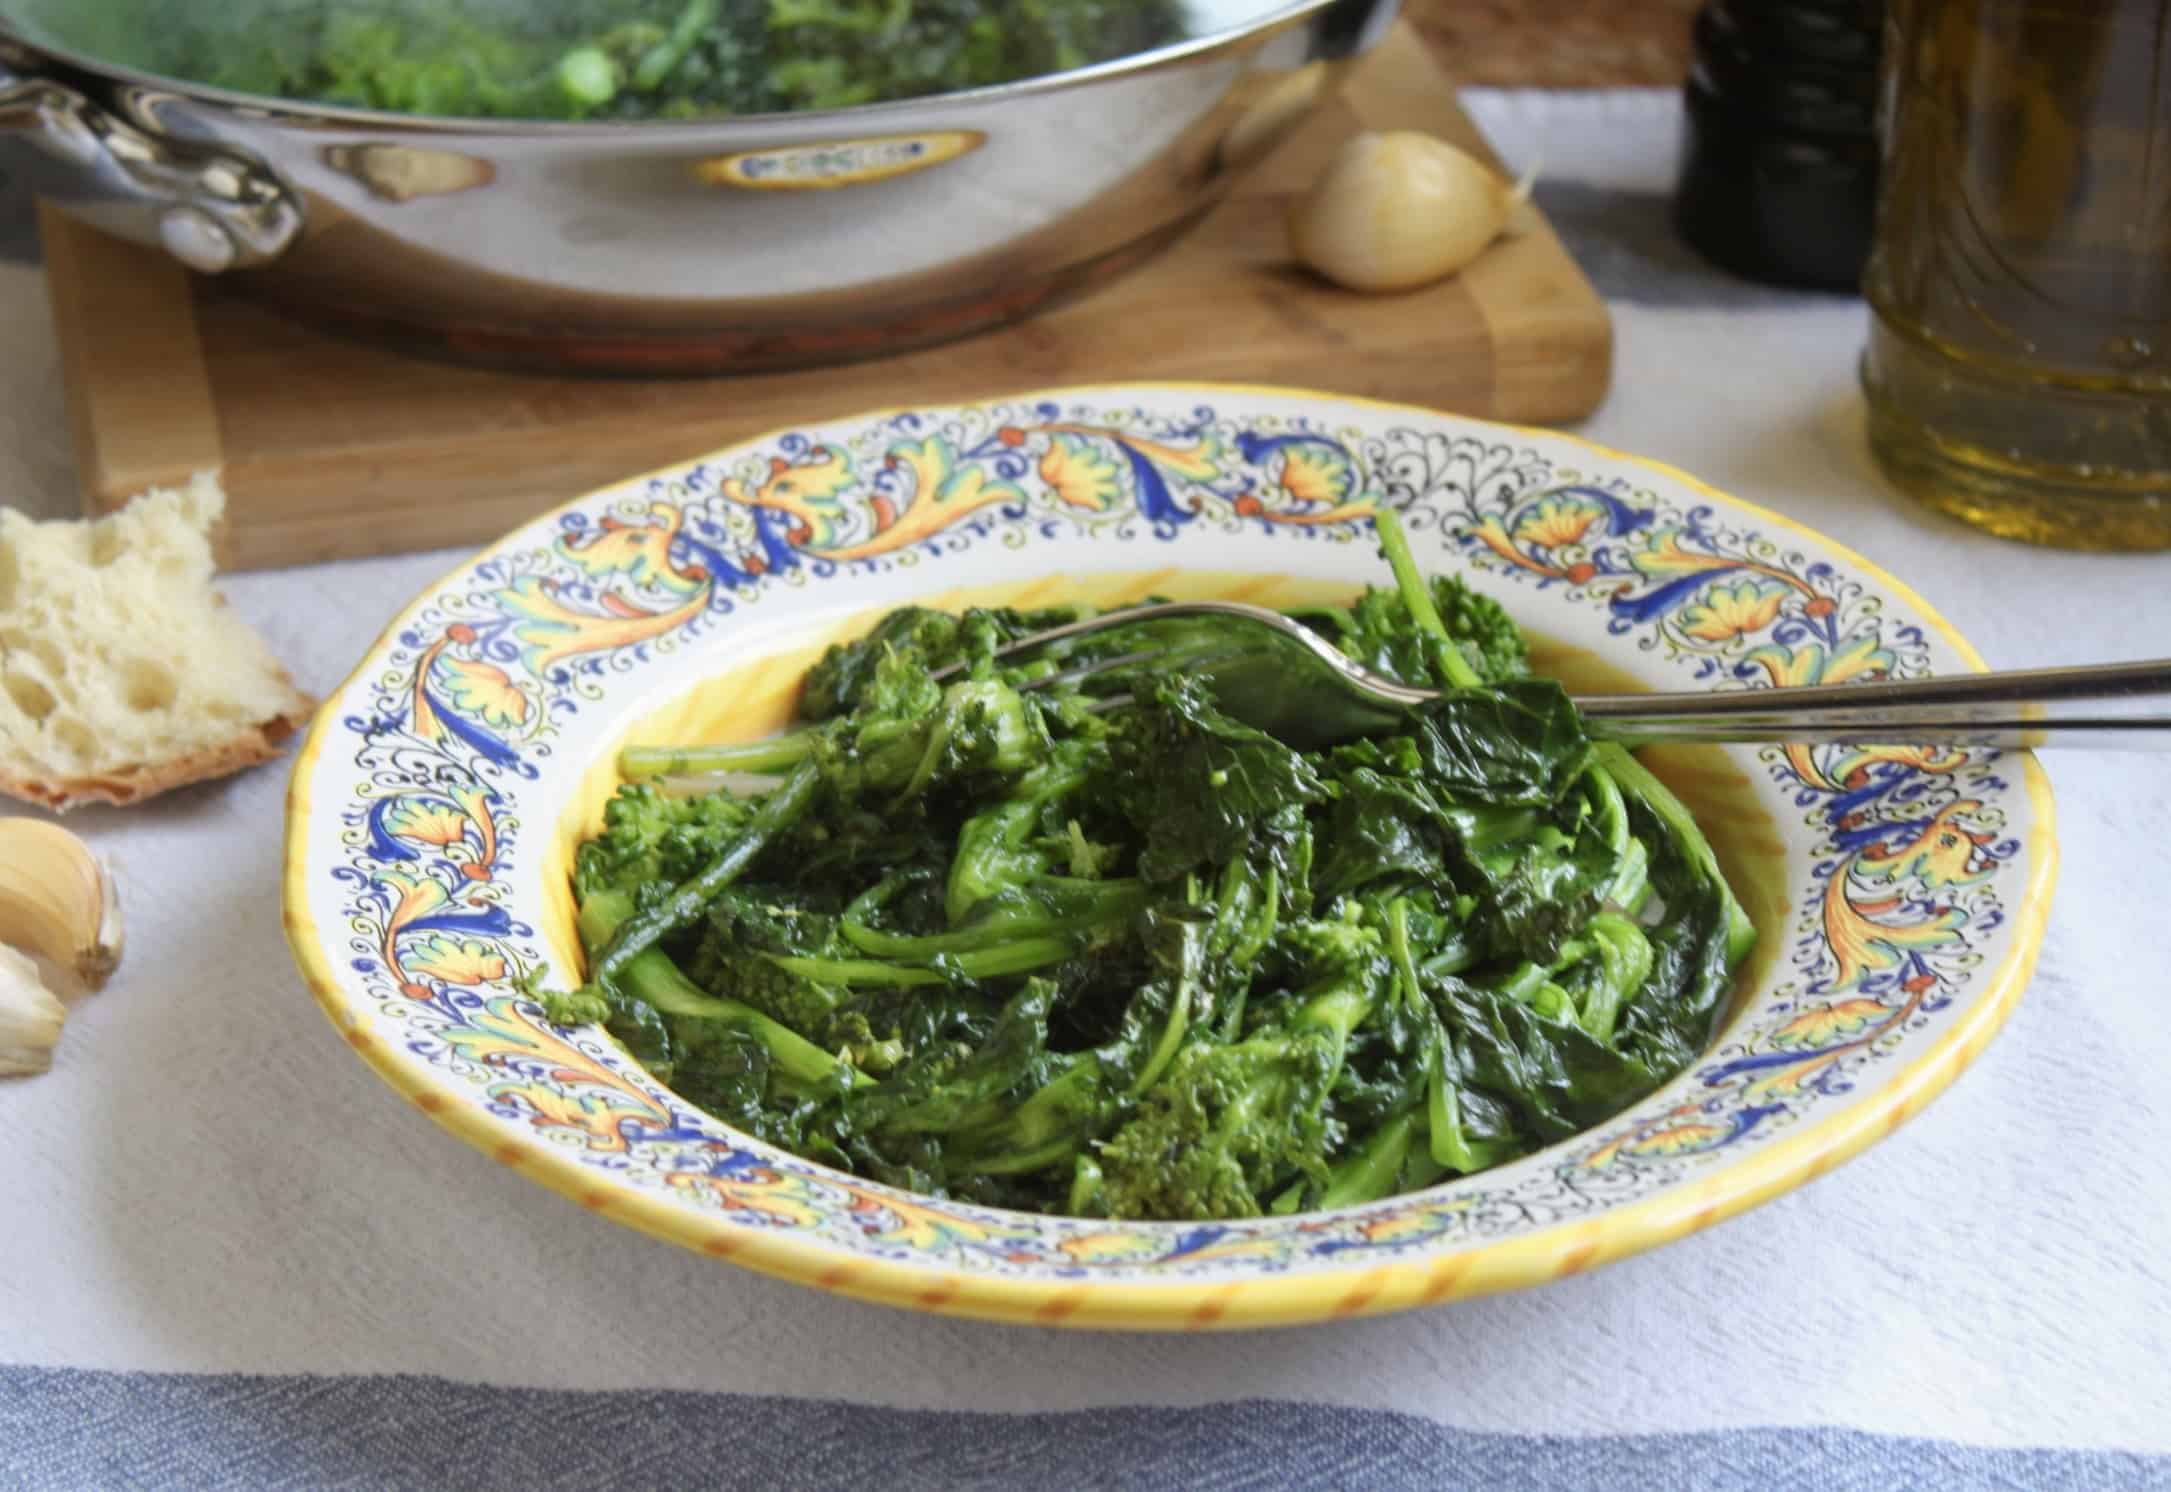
(1287, 680)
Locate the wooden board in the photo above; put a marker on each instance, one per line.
(333, 449)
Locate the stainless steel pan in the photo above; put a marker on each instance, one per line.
(744, 244)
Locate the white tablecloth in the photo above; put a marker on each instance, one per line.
(209, 1185)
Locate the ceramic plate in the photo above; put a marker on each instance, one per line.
(1900, 893)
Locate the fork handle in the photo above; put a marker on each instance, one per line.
(2109, 706)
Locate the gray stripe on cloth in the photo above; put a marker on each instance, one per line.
(70, 1428)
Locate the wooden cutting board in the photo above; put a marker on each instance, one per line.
(332, 449)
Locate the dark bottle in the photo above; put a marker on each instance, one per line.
(1779, 162)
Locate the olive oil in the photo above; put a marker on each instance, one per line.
(2019, 362)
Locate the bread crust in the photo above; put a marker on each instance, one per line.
(246, 748)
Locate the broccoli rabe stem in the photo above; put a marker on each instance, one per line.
(1398, 949)
(1456, 954)
(1097, 905)
(1608, 807)
(1391, 1159)
(661, 60)
(1417, 596)
(1631, 888)
(991, 847)
(1637, 781)
(1085, 1186)
(1020, 1162)
(1189, 978)
(1375, 1169)
(645, 929)
(1259, 930)
(1520, 983)
(652, 978)
(1445, 1140)
(1018, 957)
(1336, 1011)
(1054, 1121)
(1625, 955)
(776, 754)
(1046, 1128)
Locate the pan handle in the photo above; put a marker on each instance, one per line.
(208, 207)
(1351, 28)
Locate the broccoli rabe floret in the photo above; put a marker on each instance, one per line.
(1228, 1125)
(844, 677)
(744, 933)
(930, 738)
(851, 676)
(628, 59)
(1223, 1126)
(804, 1004)
(1435, 633)
(649, 835)
(901, 731)
(1343, 947)
(853, 1035)
(1482, 628)
(1378, 632)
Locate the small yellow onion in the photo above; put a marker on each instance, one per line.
(1397, 210)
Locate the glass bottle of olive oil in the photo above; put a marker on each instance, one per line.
(2019, 362)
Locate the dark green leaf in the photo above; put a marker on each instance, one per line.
(1547, 1071)
(1521, 743)
(1201, 784)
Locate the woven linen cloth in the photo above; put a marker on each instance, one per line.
(233, 1259)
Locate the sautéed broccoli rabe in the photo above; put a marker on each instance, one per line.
(607, 59)
(1146, 962)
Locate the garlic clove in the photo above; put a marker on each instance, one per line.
(1400, 209)
(30, 1017)
(58, 899)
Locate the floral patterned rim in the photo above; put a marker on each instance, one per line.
(422, 803)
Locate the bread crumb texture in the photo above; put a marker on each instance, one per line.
(121, 674)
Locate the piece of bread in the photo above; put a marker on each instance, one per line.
(121, 675)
